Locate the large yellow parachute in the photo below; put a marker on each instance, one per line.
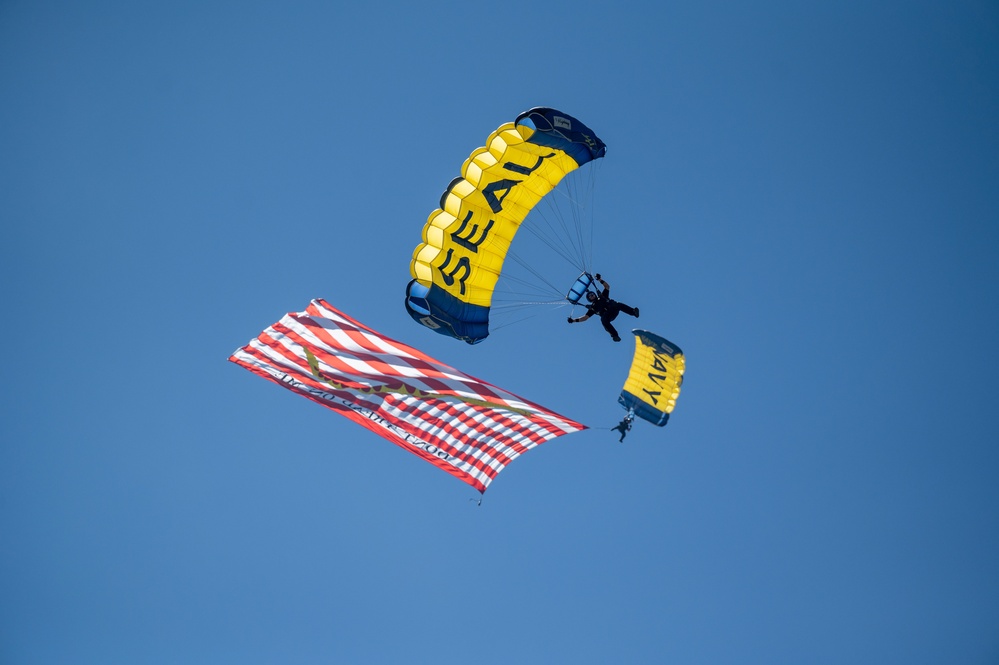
(466, 240)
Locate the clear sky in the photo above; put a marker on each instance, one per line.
(804, 196)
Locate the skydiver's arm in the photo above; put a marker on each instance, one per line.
(606, 286)
(580, 319)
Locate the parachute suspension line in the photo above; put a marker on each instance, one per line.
(507, 302)
(528, 287)
(515, 304)
(548, 221)
(551, 236)
(533, 271)
(568, 233)
(580, 214)
(576, 190)
(508, 296)
(591, 188)
(578, 217)
(534, 312)
(538, 285)
(580, 193)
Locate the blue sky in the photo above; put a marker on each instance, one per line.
(803, 196)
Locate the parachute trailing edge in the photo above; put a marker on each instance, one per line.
(465, 241)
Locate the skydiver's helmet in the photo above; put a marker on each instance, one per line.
(591, 296)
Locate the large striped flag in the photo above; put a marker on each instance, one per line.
(468, 427)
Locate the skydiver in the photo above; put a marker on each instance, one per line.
(624, 426)
(607, 309)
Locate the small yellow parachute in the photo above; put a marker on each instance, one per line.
(654, 380)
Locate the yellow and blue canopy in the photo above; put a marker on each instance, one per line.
(466, 239)
(654, 379)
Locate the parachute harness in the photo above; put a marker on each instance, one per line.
(625, 425)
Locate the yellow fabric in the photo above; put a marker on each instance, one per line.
(465, 243)
(655, 377)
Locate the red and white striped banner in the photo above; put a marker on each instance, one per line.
(468, 427)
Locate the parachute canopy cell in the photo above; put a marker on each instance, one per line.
(465, 240)
(654, 379)
(461, 424)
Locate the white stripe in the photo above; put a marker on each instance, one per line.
(486, 436)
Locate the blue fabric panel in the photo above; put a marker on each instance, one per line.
(642, 410)
(438, 310)
(560, 130)
(661, 344)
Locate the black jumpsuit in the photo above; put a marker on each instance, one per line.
(608, 310)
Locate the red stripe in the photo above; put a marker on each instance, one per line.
(422, 363)
(445, 386)
(478, 441)
(431, 363)
(304, 375)
(372, 426)
(482, 447)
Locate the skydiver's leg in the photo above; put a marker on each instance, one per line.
(628, 309)
(606, 320)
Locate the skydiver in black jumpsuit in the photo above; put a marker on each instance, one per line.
(607, 309)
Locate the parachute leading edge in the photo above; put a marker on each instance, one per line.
(654, 380)
(465, 241)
